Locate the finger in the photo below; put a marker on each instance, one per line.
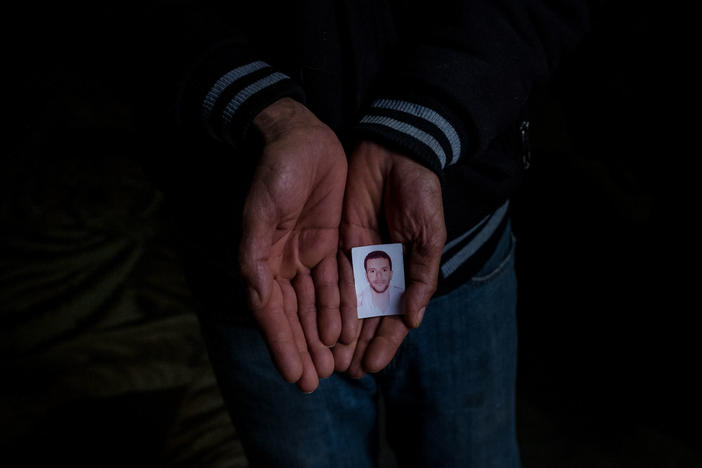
(350, 324)
(254, 250)
(307, 313)
(370, 325)
(384, 345)
(422, 277)
(279, 336)
(326, 288)
(343, 353)
(308, 381)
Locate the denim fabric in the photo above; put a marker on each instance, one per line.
(449, 392)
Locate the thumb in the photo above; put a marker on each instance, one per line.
(259, 283)
(254, 254)
(422, 278)
(415, 215)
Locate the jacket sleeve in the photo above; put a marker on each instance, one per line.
(463, 71)
(201, 75)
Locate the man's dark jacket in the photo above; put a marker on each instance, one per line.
(444, 83)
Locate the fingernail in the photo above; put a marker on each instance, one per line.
(420, 315)
(254, 298)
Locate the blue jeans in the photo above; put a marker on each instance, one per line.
(449, 393)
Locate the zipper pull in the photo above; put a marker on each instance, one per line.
(526, 145)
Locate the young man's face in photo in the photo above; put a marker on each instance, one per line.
(379, 274)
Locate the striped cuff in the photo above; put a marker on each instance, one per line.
(419, 130)
(239, 95)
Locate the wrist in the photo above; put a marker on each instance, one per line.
(377, 155)
(280, 117)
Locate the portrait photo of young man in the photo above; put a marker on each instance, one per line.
(379, 287)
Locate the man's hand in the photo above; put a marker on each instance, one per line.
(290, 239)
(389, 187)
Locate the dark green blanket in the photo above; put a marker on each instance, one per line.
(101, 356)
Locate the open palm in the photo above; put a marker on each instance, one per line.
(289, 244)
(388, 197)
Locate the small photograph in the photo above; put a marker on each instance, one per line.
(379, 276)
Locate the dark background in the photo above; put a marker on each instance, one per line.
(608, 352)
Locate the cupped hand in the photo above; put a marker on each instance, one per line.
(289, 241)
(389, 198)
